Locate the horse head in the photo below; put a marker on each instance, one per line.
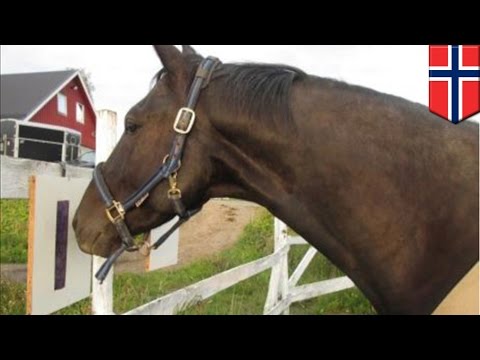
(143, 148)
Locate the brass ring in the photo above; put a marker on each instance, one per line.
(165, 159)
(174, 194)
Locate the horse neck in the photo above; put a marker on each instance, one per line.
(253, 158)
(345, 175)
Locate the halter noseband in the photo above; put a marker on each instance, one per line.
(116, 211)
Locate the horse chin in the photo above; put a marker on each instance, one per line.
(102, 245)
(105, 248)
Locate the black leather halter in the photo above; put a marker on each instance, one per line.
(116, 210)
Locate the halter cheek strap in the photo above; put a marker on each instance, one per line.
(116, 211)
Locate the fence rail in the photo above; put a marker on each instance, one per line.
(191, 295)
(283, 292)
(16, 172)
(23, 140)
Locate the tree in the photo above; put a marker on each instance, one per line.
(87, 79)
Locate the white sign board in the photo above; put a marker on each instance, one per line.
(167, 254)
(59, 274)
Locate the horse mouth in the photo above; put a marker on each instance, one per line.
(100, 246)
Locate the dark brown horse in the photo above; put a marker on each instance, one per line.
(386, 190)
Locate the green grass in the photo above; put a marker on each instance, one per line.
(346, 302)
(13, 231)
(248, 297)
(12, 298)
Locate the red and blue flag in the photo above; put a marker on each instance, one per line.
(455, 81)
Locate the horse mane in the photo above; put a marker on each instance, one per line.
(252, 89)
(259, 90)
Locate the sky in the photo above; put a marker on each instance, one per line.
(122, 74)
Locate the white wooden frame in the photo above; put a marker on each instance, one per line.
(102, 294)
(283, 290)
(282, 293)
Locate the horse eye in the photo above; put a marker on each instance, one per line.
(131, 128)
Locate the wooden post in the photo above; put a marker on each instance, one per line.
(106, 135)
(278, 289)
(31, 235)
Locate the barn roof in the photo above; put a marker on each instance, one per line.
(23, 95)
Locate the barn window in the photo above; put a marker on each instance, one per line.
(80, 113)
(62, 104)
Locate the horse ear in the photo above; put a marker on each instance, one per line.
(188, 50)
(171, 58)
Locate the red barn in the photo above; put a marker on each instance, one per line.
(56, 99)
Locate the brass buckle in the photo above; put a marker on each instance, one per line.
(120, 215)
(184, 114)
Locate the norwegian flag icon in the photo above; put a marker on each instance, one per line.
(455, 81)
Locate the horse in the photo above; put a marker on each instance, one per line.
(385, 189)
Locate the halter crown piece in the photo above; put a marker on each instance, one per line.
(116, 211)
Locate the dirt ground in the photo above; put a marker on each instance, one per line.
(215, 229)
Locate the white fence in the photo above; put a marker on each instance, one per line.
(15, 174)
(282, 293)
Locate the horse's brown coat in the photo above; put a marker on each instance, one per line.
(385, 189)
